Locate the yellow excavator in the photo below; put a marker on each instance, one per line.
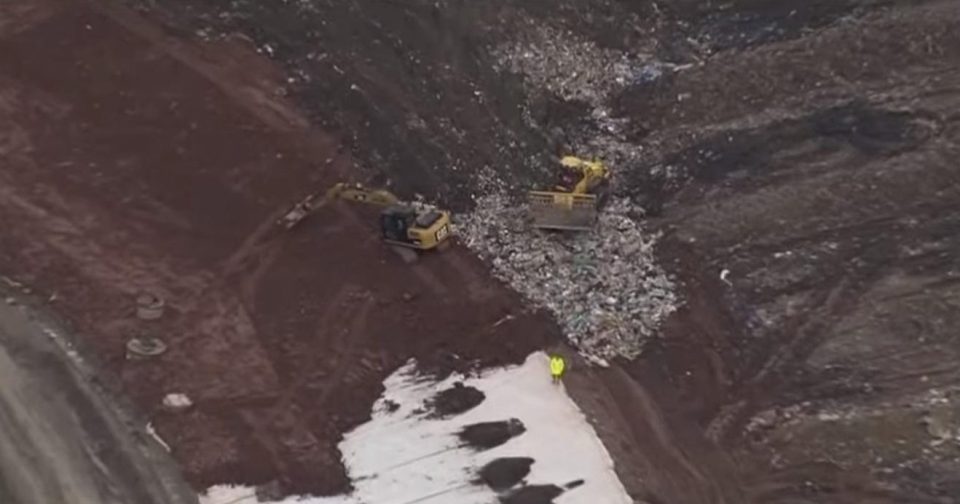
(576, 199)
(401, 225)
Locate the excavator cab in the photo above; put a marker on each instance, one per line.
(404, 226)
(575, 202)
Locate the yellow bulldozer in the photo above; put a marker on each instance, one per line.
(401, 225)
(576, 199)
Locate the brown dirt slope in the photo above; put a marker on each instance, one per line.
(132, 161)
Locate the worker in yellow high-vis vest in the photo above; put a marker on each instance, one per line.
(557, 365)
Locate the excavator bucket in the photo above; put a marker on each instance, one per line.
(563, 211)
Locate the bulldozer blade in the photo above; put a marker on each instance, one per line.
(563, 211)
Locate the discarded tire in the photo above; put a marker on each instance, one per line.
(145, 348)
(149, 306)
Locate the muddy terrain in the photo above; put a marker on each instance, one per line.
(800, 161)
(134, 162)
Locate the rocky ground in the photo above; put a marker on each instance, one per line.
(788, 169)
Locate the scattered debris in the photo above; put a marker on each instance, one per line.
(723, 276)
(939, 425)
(12, 283)
(568, 66)
(578, 70)
(604, 286)
(177, 402)
(503, 320)
(153, 433)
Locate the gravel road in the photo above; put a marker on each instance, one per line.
(60, 440)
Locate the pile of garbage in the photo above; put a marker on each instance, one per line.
(575, 69)
(604, 286)
(570, 67)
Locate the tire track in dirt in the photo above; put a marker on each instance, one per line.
(682, 476)
(478, 288)
(237, 84)
(350, 344)
(101, 262)
(16, 17)
(429, 279)
(755, 393)
(278, 429)
(423, 272)
(346, 320)
(659, 458)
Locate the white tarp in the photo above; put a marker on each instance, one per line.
(403, 457)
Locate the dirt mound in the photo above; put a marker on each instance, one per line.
(486, 435)
(504, 473)
(454, 401)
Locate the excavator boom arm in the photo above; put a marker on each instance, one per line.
(342, 190)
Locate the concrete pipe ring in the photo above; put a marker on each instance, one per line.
(142, 348)
(150, 306)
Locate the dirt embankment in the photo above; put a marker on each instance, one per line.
(136, 161)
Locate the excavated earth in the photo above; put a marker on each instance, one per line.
(135, 162)
(800, 159)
